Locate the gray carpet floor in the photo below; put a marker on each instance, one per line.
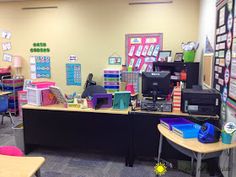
(64, 163)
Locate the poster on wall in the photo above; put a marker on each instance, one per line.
(40, 67)
(7, 57)
(225, 54)
(6, 34)
(142, 50)
(73, 74)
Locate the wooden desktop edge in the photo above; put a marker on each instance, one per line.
(4, 93)
(60, 107)
(27, 166)
(175, 113)
(193, 144)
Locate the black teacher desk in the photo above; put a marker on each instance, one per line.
(104, 130)
(130, 134)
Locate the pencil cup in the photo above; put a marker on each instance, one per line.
(89, 103)
(226, 138)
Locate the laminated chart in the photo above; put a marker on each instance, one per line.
(73, 74)
(40, 67)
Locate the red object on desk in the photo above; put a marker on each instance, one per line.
(183, 75)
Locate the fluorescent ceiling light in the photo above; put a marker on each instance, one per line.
(138, 2)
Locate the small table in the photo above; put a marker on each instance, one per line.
(198, 149)
(20, 166)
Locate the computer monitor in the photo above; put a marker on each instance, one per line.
(155, 84)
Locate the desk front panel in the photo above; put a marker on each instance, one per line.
(83, 130)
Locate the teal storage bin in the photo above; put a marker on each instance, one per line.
(226, 138)
(121, 100)
(189, 56)
(187, 130)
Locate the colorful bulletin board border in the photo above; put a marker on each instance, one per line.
(142, 50)
(218, 2)
(231, 104)
(73, 74)
(225, 32)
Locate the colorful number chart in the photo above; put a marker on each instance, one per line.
(40, 67)
(225, 54)
(142, 50)
(73, 74)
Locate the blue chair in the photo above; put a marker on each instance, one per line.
(4, 108)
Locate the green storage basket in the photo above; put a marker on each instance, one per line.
(189, 56)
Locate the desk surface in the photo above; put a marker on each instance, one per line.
(4, 93)
(193, 143)
(176, 113)
(59, 107)
(19, 166)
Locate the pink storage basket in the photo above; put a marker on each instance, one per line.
(48, 98)
(44, 84)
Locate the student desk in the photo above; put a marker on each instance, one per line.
(12, 166)
(198, 149)
(130, 134)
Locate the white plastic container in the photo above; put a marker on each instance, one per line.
(34, 96)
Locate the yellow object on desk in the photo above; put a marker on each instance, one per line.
(12, 166)
(4, 93)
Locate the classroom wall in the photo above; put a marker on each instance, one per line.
(93, 30)
(207, 25)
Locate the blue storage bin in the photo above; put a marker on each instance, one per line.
(111, 87)
(187, 130)
(169, 122)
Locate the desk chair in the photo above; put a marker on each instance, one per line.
(4, 108)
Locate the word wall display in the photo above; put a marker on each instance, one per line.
(40, 67)
(225, 54)
(142, 50)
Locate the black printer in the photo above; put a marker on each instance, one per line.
(200, 101)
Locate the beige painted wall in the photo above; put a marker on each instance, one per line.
(93, 30)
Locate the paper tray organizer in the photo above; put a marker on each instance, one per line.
(169, 122)
(187, 130)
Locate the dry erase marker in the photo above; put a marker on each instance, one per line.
(150, 50)
(145, 50)
(138, 63)
(138, 52)
(156, 50)
(131, 63)
(144, 67)
(131, 52)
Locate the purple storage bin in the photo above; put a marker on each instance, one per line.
(169, 122)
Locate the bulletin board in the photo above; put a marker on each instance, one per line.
(142, 50)
(207, 70)
(225, 52)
